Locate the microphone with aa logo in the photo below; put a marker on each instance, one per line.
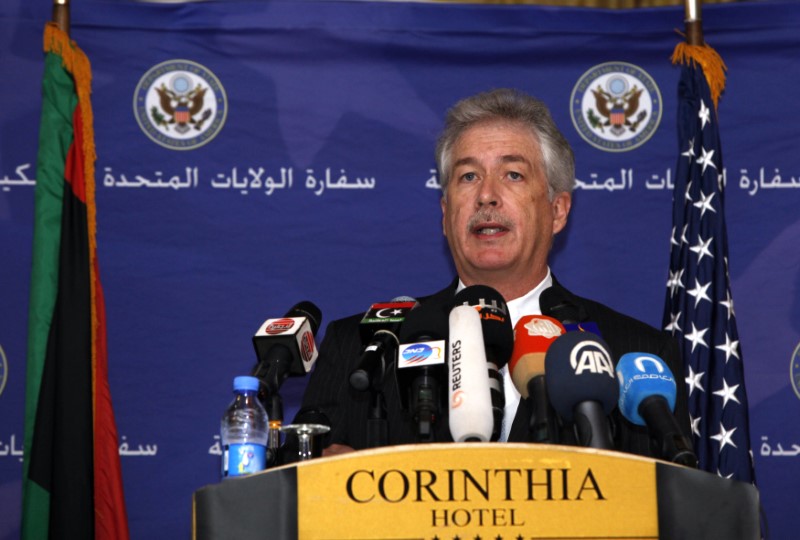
(647, 392)
(582, 386)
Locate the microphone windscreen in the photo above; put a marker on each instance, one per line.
(310, 311)
(498, 333)
(469, 397)
(579, 368)
(533, 335)
(642, 375)
(425, 321)
(554, 303)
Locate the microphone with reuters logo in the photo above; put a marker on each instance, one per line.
(469, 399)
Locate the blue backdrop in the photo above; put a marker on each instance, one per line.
(311, 176)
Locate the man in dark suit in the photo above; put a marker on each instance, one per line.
(507, 175)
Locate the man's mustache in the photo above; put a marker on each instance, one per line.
(488, 216)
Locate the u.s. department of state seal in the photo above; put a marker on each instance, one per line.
(794, 370)
(180, 104)
(616, 106)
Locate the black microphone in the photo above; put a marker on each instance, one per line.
(378, 329)
(421, 369)
(647, 393)
(285, 347)
(582, 386)
(498, 339)
(554, 303)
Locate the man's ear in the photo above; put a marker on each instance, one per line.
(444, 211)
(561, 204)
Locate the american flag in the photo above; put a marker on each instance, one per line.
(699, 309)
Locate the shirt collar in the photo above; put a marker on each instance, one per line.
(527, 304)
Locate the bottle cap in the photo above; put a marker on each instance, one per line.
(245, 382)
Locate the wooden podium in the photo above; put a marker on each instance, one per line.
(486, 491)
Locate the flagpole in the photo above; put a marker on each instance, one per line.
(61, 15)
(694, 23)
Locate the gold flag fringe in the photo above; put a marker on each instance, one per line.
(76, 63)
(711, 62)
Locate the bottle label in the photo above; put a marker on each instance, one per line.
(242, 459)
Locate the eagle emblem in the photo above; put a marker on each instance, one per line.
(180, 104)
(616, 106)
(184, 110)
(617, 112)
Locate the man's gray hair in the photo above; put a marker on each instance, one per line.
(514, 106)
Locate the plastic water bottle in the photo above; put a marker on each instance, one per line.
(244, 431)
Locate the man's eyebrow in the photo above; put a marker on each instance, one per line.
(515, 158)
(509, 158)
(465, 161)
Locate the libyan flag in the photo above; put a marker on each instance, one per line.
(72, 483)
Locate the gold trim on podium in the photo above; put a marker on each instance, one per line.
(448, 491)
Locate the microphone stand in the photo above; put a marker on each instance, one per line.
(425, 392)
(377, 422)
(272, 374)
(543, 426)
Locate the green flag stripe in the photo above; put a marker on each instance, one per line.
(55, 137)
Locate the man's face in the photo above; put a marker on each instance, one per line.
(497, 217)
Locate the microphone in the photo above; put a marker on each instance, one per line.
(647, 392)
(469, 399)
(582, 386)
(498, 340)
(555, 303)
(284, 347)
(378, 329)
(533, 335)
(421, 369)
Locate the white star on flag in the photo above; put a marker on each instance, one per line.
(705, 203)
(699, 292)
(706, 159)
(701, 248)
(696, 337)
(704, 114)
(689, 151)
(693, 380)
(724, 437)
(728, 393)
(673, 325)
(728, 303)
(675, 281)
(695, 422)
(729, 347)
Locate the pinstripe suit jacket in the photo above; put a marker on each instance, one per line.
(329, 391)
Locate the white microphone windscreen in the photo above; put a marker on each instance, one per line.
(469, 398)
